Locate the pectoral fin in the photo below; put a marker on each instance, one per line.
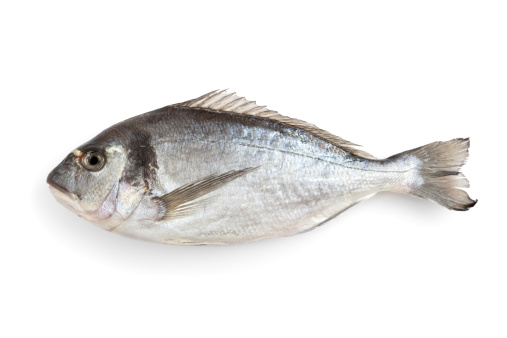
(184, 200)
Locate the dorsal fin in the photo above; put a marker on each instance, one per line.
(222, 101)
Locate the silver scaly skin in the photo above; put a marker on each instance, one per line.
(221, 170)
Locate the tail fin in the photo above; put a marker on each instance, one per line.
(439, 170)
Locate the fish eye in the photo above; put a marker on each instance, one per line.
(93, 161)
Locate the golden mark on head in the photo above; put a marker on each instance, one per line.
(115, 148)
(78, 153)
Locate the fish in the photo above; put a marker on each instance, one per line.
(220, 169)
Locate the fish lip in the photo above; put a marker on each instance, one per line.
(54, 185)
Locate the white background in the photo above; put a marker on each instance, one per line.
(390, 75)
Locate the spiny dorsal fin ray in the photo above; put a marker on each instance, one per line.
(182, 201)
(220, 100)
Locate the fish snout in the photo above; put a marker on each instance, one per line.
(60, 181)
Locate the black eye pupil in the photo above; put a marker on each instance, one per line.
(93, 160)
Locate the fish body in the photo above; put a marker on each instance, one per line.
(221, 170)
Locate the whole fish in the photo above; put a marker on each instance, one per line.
(220, 170)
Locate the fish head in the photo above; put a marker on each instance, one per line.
(87, 181)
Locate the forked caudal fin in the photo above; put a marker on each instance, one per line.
(440, 179)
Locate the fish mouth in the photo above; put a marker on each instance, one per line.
(60, 192)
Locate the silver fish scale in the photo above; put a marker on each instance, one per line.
(220, 170)
(301, 181)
